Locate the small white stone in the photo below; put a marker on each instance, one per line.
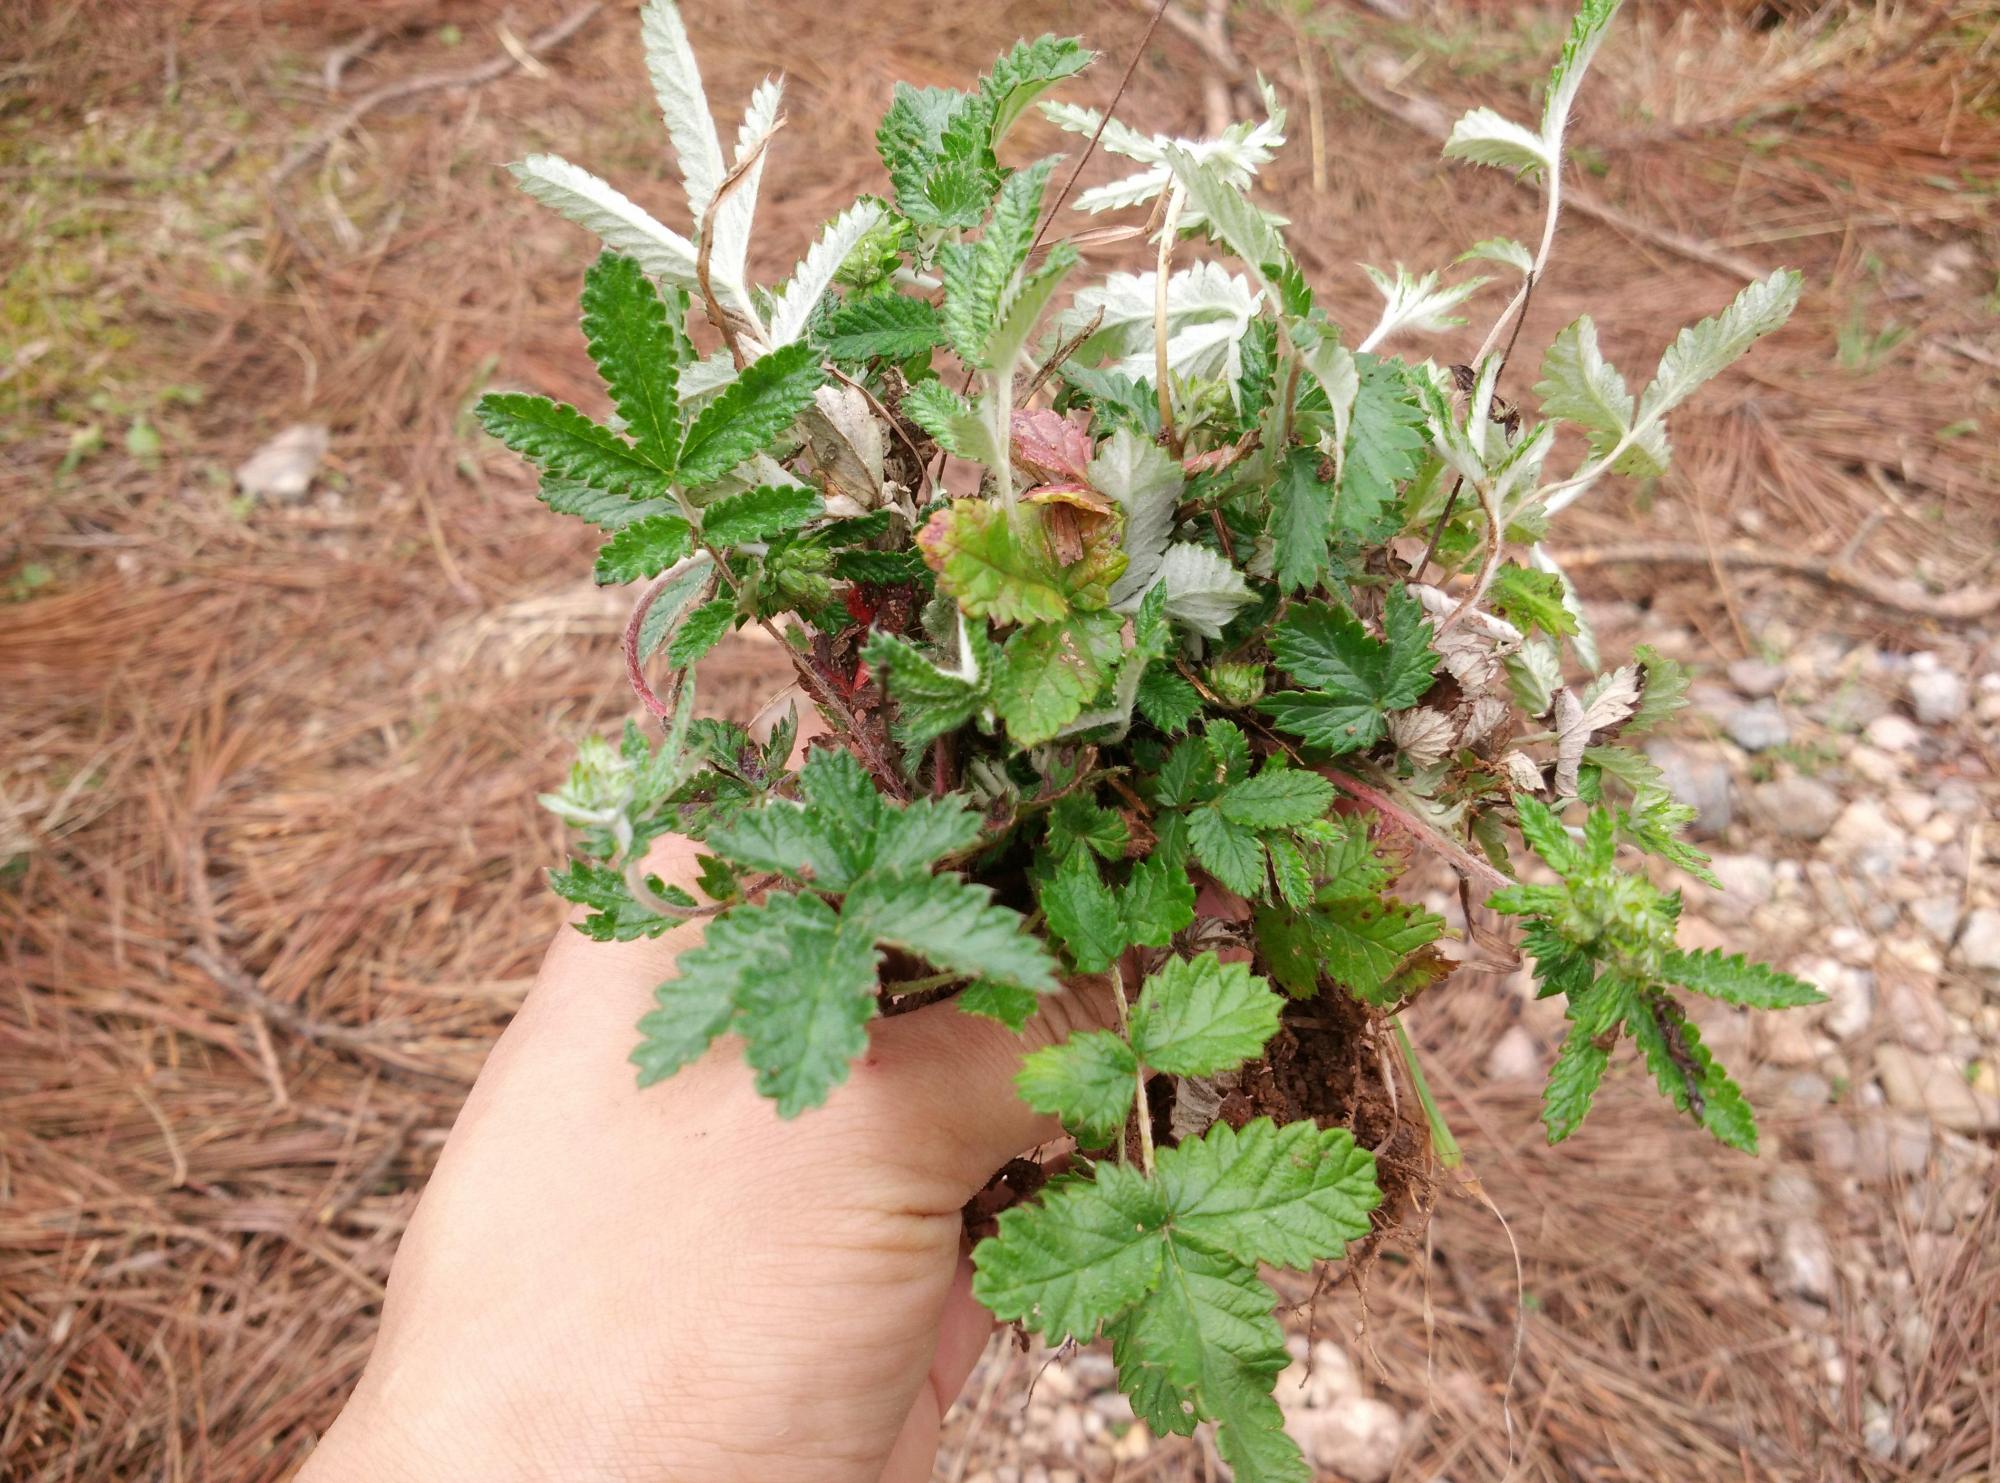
(1805, 1261)
(1893, 733)
(1747, 881)
(1357, 1437)
(1979, 943)
(283, 469)
(1515, 1056)
(1936, 1086)
(1937, 696)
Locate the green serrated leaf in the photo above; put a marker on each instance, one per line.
(1573, 1082)
(803, 984)
(1228, 851)
(977, 275)
(1079, 822)
(616, 915)
(608, 512)
(1082, 912)
(1665, 690)
(884, 325)
(1356, 679)
(1530, 599)
(1580, 386)
(953, 423)
(929, 701)
(702, 631)
(1288, 1196)
(1735, 980)
(1361, 942)
(1167, 701)
(1201, 1016)
(637, 352)
(560, 440)
(643, 549)
(937, 146)
(1704, 350)
(760, 513)
(750, 413)
(1010, 1004)
(1027, 71)
(997, 563)
(1689, 1075)
(1384, 444)
(1301, 520)
(1207, 1332)
(1087, 1081)
(952, 923)
(1087, 1252)
(1158, 901)
(1277, 798)
(1543, 829)
(1050, 671)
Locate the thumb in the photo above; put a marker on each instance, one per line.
(955, 1072)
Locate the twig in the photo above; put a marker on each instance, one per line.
(895, 423)
(409, 87)
(1176, 198)
(1089, 149)
(1426, 118)
(1142, 1112)
(1965, 606)
(736, 176)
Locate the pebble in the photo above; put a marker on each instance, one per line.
(1748, 881)
(1698, 778)
(1911, 808)
(1934, 1085)
(1914, 1015)
(1893, 733)
(1756, 678)
(1515, 1056)
(1937, 696)
(1979, 943)
(284, 468)
(1759, 727)
(1357, 1437)
(1850, 995)
(1805, 1261)
(1864, 830)
(1890, 1147)
(1796, 808)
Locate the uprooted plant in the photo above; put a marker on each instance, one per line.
(1154, 628)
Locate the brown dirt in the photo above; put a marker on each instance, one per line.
(269, 862)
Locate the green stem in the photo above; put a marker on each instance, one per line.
(1441, 1139)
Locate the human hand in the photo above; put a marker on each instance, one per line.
(602, 1283)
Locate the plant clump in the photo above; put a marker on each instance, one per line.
(1153, 626)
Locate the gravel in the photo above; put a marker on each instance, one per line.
(1796, 808)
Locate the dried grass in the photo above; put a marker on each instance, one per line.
(268, 774)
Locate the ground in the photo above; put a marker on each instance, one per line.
(269, 857)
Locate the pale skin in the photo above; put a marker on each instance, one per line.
(604, 1283)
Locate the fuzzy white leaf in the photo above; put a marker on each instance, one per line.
(1580, 386)
(793, 308)
(1332, 365)
(1704, 350)
(1610, 699)
(676, 79)
(1423, 735)
(1482, 718)
(1586, 34)
(1487, 138)
(1237, 154)
(619, 224)
(703, 381)
(1208, 312)
(1572, 735)
(730, 255)
(1524, 774)
(1584, 640)
(1203, 590)
(1503, 250)
(1534, 674)
(1146, 483)
(1416, 303)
